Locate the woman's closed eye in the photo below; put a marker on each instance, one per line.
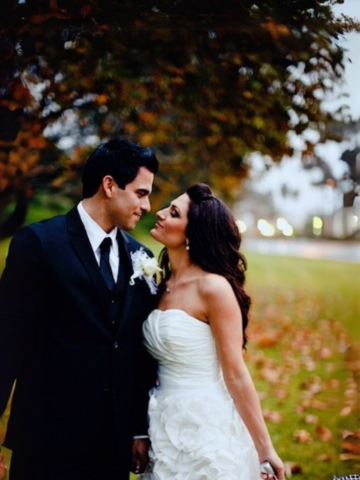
(174, 213)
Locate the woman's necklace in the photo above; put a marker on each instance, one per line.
(168, 289)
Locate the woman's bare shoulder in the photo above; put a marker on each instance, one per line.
(214, 285)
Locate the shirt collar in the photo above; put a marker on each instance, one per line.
(95, 233)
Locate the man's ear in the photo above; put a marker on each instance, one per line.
(108, 186)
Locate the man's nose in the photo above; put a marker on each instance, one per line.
(145, 204)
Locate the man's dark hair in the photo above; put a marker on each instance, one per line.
(118, 158)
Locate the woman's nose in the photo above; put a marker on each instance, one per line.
(161, 214)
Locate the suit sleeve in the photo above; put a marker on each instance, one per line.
(146, 379)
(20, 290)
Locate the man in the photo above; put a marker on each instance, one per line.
(71, 336)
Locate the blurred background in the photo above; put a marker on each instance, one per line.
(258, 99)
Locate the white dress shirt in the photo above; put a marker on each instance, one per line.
(96, 235)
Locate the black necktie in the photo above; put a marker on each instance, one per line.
(105, 267)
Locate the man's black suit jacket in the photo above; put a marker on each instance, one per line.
(57, 342)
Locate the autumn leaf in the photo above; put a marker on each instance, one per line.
(268, 339)
(85, 11)
(302, 436)
(318, 404)
(37, 142)
(324, 457)
(147, 118)
(324, 433)
(348, 456)
(273, 416)
(351, 442)
(146, 139)
(276, 30)
(345, 411)
(270, 375)
(311, 419)
(326, 352)
(102, 99)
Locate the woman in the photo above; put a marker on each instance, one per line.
(205, 417)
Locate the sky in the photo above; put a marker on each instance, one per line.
(312, 200)
(352, 69)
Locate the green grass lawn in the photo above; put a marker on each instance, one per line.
(304, 358)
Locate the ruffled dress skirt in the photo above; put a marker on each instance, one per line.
(195, 430)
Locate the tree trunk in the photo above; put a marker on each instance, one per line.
(16, 218)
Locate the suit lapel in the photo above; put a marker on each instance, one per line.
(125, 257)
(82, 247)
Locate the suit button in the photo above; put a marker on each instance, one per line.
(106, 387)
(116, 345)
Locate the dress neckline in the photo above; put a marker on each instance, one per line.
(183, 312)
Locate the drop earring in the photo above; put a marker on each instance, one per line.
(187, 244)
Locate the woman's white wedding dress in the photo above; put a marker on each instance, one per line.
(196, 432)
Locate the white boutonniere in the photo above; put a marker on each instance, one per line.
(144, 267)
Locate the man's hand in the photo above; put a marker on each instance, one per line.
(2, 467)
(140, 455)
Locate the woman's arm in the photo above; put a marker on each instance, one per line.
(225, 319)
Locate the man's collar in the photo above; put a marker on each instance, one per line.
(95, 233)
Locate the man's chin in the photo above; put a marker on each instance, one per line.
(131, 225)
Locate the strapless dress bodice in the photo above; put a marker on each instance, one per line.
(185, 350)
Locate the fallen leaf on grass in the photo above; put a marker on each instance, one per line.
(270, 375)
(348, 456)
(326, 353)
(354, 366)
(351, 443)
(334, 383)
(345, 411)
(309, 364)
(311, 419)
(352, 353)
(324, 457)
(273, 416)
(324, 433)
(313, 403)
(318, 405)
(312, 386)
(351, 397)
(268, 339)
(302, 436)
(281, 393)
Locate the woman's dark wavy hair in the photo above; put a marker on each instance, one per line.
(214, 241)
